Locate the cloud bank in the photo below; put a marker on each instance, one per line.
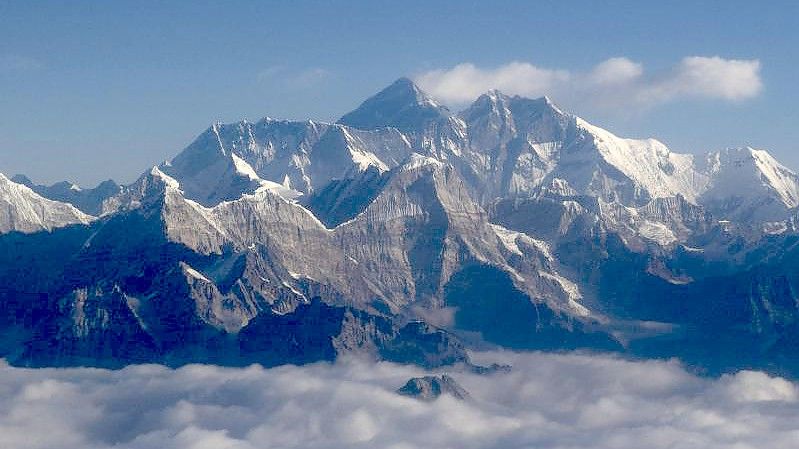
(547, 401)
(613, 83)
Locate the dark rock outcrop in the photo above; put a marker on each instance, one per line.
(430, 388)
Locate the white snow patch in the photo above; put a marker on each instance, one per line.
(22, 209)
(508, 238)
(573, 294)
(279, 189)
(243, 168)
(657, 232)
(692, 249)
(194, 273)
(775, 228)
(417, 160)
(293, 289)
(362, 158)
(649, 163)
(167, 180)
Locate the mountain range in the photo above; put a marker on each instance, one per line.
(408, 232)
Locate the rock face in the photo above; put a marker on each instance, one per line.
(429, 388)
(23, 210)
(88, 201)
(408, 232)
(302, 156)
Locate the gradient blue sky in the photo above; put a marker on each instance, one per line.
(92, 90)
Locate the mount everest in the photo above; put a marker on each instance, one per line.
(410, 233)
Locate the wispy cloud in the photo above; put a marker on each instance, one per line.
(294, 78)
(615, 82)
(546, 401)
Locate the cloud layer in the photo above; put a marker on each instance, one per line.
(547, 401)
(613, 83)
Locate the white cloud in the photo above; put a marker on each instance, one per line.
(613, 83)
(465, 82)
(547, 401)
(728, 79)
(615, 71)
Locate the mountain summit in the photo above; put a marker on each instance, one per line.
(402, 105)
(406, 232)
(23, 210)
(747, 184)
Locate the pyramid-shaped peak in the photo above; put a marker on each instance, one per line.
(402, 105)
(406, 87)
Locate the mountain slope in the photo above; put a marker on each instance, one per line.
(521, 144)
(402, 230)
(123, 290)
(303, 156)
(749, 185)
(23, 210)
(209, 173)
(421, 226)
(512, 143)
(401, 105)
(430, 127)
(88, 201)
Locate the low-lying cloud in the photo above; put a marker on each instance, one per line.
(546, 401)
(613, 83)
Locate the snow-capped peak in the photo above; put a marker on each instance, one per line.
(167, 180)
(402, 105)
(772, 174)
(490, 104)
(780, 178)
(496, 102)
(23, 210)
(647, 162)
(404, 86)
(748, 183)
(518, 145)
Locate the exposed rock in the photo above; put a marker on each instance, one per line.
(430, 388)
(23, 210)
(511, 224)
(88, 201)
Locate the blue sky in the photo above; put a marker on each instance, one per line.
(92, 90)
